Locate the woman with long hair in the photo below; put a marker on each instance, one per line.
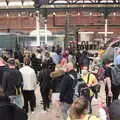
(79, 110)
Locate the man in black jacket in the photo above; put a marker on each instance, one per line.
(67, 90)
(9, 111)
(12, 82)
(3, 68)
(45, 85)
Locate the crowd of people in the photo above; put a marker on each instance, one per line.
(67, 80)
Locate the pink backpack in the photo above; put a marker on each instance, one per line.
(101, 74)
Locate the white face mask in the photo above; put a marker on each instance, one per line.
(84, 72)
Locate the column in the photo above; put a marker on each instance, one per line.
(106, 29)
(37, 28)
(45, 22)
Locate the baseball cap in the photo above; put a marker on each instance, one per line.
(11, 61)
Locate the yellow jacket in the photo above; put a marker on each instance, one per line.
(87, 117)
(92, 81)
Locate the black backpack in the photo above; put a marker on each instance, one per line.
(80, 88)
(18, 83)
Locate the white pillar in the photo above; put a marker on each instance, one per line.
(106, 29)
(37, 28)
(45, 32)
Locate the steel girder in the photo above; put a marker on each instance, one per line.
(65, 5)
(67, 1)
(82, 1)
(51, 10)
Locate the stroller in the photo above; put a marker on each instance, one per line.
(81, 89)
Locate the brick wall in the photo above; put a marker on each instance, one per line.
(87, 23)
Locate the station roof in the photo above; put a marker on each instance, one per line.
(16, 3)
(29, 5)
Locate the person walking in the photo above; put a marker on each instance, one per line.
(12, 83)
(55, 57)
(45, 85)
(9, 111)
(115, 73)
(57, 77)
(3, 68)
(90, 80)
(79, 110)
(34, 63)
(29, 84)
(85, 60)
(108, 83)
(67, 90)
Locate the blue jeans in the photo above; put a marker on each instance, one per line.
(64, 110)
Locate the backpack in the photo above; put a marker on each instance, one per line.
(100, 74)
(115, 72)
(19, 83)
(80, 88)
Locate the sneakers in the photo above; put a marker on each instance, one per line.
(43, 111)
(32, 112)
(48, 110)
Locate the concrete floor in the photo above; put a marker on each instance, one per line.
(37, 115)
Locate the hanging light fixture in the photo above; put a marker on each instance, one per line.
(54, 13)
(7, 14)
(78, 14)
(114, 13)
(90, 14)
(19, 15)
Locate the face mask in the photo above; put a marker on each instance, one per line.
(84, 72)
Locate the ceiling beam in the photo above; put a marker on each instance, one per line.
(76, 2)
(52, 1)
(87, 7)
(68, 1)
(92, 1)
